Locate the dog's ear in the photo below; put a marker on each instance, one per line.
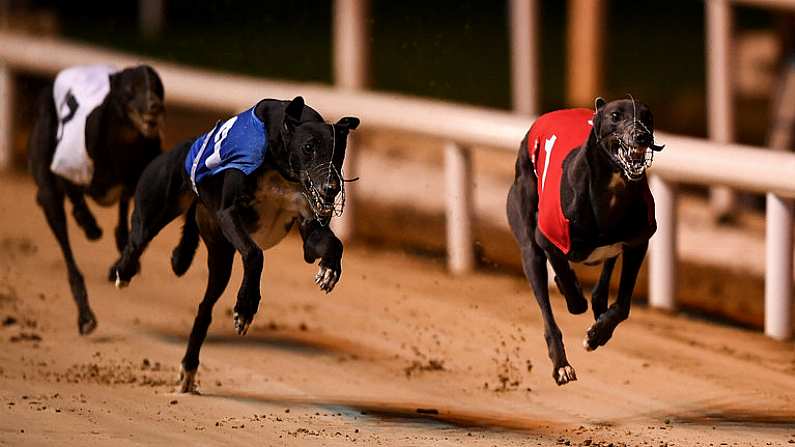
(347, 124)
(599, 103)
(292, 114)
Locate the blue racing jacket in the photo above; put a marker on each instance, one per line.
(237, 143)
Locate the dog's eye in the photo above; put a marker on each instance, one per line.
(615, 116)
(307, 148)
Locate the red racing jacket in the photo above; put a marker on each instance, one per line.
(552, 138)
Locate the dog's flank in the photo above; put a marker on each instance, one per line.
(122, 135)
(601, 208)
(298, 184)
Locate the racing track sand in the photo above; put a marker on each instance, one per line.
(399, 354)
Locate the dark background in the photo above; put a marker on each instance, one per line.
(453, 50)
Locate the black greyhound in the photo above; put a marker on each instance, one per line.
(581, 195)
(122, 135)
(299, 180)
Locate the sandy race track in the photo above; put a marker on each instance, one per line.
(399, 354)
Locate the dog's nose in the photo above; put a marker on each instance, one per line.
(643, 139)
(330, 189)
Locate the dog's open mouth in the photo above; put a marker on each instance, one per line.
(324, 205)
(148, 124)
(633, 159)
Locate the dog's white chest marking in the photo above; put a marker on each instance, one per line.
(277, 203)
(604, 252)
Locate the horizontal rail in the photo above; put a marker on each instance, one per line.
(773, 4)
(685, 159)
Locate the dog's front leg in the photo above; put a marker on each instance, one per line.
(248, 296)
(601, 331)
(567, 283)
(123, 227)
(321, 242)
(601, 289)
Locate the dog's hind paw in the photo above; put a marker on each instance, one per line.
(120, 283)
(86, 323)
(242, 323)
(187, 381)
(93, 233)
(565, 375)
(327, 278)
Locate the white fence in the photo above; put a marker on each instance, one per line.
(688, 160)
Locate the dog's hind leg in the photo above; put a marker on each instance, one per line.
(601, 331)
(146, 224)
(601, 289)
(51, 199)
(183, 253)
(122, 232)
(82, 214)
(568, 285)
(534, 263)
(50, 196)
(220, 256)
(160, 197)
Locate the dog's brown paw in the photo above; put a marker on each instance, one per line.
(187, 382)
(565, 375)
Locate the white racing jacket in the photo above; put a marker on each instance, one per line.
(77, 92)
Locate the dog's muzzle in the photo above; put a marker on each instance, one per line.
(635, 152)
(322, 199)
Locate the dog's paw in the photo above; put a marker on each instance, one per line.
(121, 275)
(564, 375)
(120, 283)
(86, 322)
(326, 278)
(187, 381)
(598, 334)
(242, 323)
(93, 232)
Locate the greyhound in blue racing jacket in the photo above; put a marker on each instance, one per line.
(242, 186)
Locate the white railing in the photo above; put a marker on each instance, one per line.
(686, 160)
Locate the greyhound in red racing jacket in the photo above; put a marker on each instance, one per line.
(580, 195)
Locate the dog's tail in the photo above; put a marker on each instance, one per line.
(182, 256)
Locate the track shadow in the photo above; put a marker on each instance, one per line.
(427, 414)
(303, 342)
(739, 418)
(736, 411)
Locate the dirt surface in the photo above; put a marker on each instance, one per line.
(400, 354)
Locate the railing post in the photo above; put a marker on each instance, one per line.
(778, 268)
(351, 66)
(151, 17)
(720, 104)
(584, 48)
(459, 203)
(6, 115)
(662, 250)
(524, 55)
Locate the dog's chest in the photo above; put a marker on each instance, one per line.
(277, 203)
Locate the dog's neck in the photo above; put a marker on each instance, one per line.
(610, 194)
